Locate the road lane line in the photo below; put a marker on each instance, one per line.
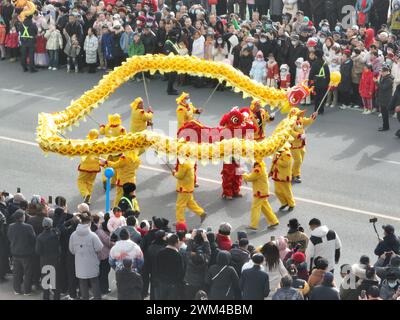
(386, 161)
(24, 93)
(29, 143)
(305, 200)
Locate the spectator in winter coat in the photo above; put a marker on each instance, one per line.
(222, 279)
(126, 249)
(149, 41)
(126, 39)
(326, 290)
(298, 283)
(90, 46)
(286, 290)
(345, 84)
(131, 224)
(298, 259)
(116, 220)
(223, 236)
(129, 282)
(367, 89)
(169, 270)
(323, 243)
(390, 242)
(149, 267)
(369, 281)
(12, 43)
(296, 236)
(85, 246)
(240, 255)
(254, 282)
(282, 244)
(104, 236)
(72, 50)
(245, 60)
(317, 274)
(198, 254)
(136, 48)
(22, 244)
(384, 95)
(390, 286)
(388, 263)
(48, 248)
(273, 265)
(4, 247)
(258, 70)
(53, 45)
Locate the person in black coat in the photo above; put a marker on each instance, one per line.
(384, 95)
(149, 268)
(240, 255)
(171, 47)
(222, 279)
(394, 106)
(267, 45)
(390, 242)
(48, 248)
(4, 248)
(67, 230)
(246, 60)
(28, 32)
(254, 282)
(149, 41)
(198, 254)
(22, 243)
(169, 271)
(129, 282)
(320, 77)
(262, 7)
(297, 50)
(346, 85)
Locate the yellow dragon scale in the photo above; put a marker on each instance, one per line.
(51, 124)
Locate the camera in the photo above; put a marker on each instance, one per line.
(373, 220)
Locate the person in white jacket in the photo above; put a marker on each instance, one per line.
(116, 220)
(396, 71)
(273, 265)
(90, 46)
(198, 51)
(85, 245)
(126, 249)
(53, 45)
(323, 243)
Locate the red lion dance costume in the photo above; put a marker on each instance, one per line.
(234, 124)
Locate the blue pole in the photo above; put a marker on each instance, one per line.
(109, 173)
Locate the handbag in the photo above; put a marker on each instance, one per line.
(216, 276)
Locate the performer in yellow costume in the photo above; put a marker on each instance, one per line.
(88, 169)
(260, 118)
(185, 109)
(140, 119)
(113, 128)
(125, 167)
(259, 179)
(185, 187)
(298, 145)
(281, 174)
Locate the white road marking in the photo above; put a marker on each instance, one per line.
(315, 202)
(19, 141)
(386, 161)
(24, 93)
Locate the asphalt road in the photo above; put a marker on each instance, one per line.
(350, 174)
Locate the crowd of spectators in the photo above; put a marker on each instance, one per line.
(153, 260)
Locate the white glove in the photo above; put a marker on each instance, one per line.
(272, 115)
(303, 136)
(149, 109)
(241, 171)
